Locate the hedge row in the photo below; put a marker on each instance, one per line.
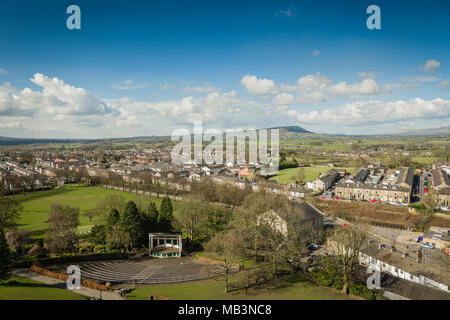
(64, 277)
(334, 281)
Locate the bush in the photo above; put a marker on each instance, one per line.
(334, 281)
(322, 278)
(328, 279)
(100, 248)
(363, 292)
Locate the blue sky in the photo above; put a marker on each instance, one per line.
(148, 67)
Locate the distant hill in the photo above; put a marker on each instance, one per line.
(296, 129)
(8, 141)
(424, 132)
(286, 133)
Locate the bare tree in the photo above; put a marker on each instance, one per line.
(9, 211)
(347, 244)
(191, 219)
(62, 231)
(113, 201)
(90, 213)
(18, 239)
(228, 248)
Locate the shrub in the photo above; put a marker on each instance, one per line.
(100, 248)
(362, 291)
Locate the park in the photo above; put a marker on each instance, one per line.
(197, 275)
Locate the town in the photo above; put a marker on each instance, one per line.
(237, 158)
(407, 207)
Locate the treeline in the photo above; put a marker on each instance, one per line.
(265, 229)
(141, 181)
(209, 191)
(127, 224)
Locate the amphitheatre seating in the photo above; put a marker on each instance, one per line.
(150, 271)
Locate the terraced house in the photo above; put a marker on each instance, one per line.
(393, 187)
(324, 181)
(441, 183)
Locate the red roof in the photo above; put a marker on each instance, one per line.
(243, 172)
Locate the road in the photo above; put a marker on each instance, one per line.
(404, 240)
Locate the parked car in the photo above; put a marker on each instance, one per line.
(427, 245)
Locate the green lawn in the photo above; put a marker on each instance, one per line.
(36, 207)
(214, 290)
(18, 288)
(311, 173)
(426, 161)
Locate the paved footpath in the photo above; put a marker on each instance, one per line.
(26, 273)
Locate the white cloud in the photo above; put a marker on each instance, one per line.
(226, 110)
(316, 53)
(62, 110)
(313, 82)
(312, 97)
(308, 82)
(11, 125)
(3, 71)
(365, 87)
(431, 66)
(283, 99)
(60, 98)
(57, 109)
(371, 112)
(259, 86)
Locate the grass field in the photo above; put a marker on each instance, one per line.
(311, 173)
(18, 288)
(214, 290)
(36, 207)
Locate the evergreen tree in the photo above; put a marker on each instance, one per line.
(152, 212)
(165, 216)
(149, 219)
(113, 219)
(130, 223)
(5, 257)
(97, 234)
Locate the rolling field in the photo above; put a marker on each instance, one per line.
(18, 288)
(311, 173)
(36, 207)
(215, 290)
